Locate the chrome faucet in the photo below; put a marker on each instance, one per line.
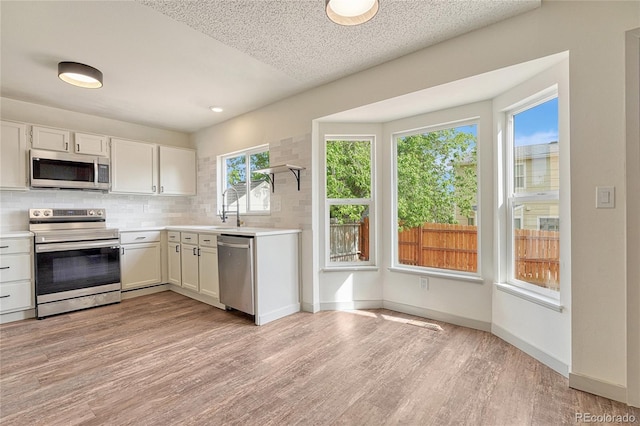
(223, 216)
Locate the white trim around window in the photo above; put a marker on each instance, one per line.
(351, 260)
(222, 180)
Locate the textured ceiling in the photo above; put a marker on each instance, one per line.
(295, 37)
(166, 62)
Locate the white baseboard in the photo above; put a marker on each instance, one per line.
(197, 296)
(598, 387)
(128, 294)
(310, 307)
(529, 349)
(437, 315)
(262, 319)
(17, 316)
(350, 305)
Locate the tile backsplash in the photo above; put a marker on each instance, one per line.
(289, 207)
(123, 211)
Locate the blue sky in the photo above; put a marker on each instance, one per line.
(538, 124)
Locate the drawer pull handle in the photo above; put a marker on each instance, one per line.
(1, 247)
(207, 241)
(187, 238)
(140, 238)
(5, 267)
(4, 297)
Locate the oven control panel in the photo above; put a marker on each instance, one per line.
(67, 214)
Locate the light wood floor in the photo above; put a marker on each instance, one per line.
(165, 359)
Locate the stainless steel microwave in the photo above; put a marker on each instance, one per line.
(50, 169)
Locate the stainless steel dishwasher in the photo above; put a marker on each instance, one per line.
(235, 272)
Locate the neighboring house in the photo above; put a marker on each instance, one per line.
(259, 194)
(536, 169)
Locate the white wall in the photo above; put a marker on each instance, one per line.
(633, 215)
(453, 299)
(543, 332)
(593, 33)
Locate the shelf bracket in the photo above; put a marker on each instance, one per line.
(270, 172)
(272, 180)
(296, 173)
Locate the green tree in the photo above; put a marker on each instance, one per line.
(237, 167)
(436, 173)
(348, 177)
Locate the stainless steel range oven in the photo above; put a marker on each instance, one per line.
(77, 260)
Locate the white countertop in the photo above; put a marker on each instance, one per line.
(16, 234)
(244, 230)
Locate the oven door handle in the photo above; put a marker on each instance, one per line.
(45, 248)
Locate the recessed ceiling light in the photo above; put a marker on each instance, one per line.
(80, 75)
(215, 109)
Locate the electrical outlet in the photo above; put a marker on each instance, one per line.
(424, 283)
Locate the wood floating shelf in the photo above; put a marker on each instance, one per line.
(271, 171)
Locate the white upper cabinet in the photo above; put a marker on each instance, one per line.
(133, 167)
(13, 156)
(177, 171)
(91, 144)
(50, 139)
(61, 140)
(145, 168)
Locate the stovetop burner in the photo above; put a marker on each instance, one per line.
(57, 225)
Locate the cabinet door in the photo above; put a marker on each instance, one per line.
(16, 296)
(177, 171)
(140, 265)
(208, 271)
(13, 156)
(133, 167)
(91, 144)
(175, 274)
(51, 139)
(189, 262)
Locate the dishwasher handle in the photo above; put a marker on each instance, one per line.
(233, 245)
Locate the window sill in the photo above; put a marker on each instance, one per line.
(531, 296)
(350, 268)
(446, 275)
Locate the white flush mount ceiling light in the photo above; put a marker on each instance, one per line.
(351, 12)
(80, 75)
(215, 109)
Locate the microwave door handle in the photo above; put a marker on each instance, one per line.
(95, 172)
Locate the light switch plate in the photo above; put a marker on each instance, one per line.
(605, 197)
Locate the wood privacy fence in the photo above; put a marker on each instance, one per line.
(440, 245)
(537, 257)
(446, 246)
(349, 241)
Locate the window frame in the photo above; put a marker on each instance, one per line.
(513, 198)
(425, 270)
(222, 183)
(370, 202)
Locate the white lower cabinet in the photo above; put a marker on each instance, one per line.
(193, 263)
(189, 265)
(140, 259)
(16, 266)
(208, 271)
